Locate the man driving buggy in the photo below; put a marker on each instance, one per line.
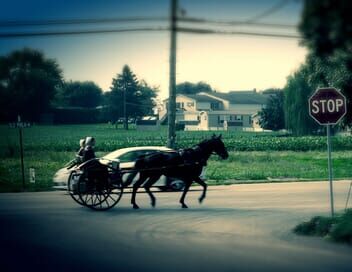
(79, 155)
(94, 170)
(88, 152)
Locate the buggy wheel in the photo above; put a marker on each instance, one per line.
(72, 185)
(99, 199)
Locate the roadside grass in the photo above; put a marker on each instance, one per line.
(245, 165)
(258, 165)
(338, 228)
(253, 156)
(45, 164)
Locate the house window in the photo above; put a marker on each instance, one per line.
(179, 105)
(222, 118)
(238, 117)
(214, 106)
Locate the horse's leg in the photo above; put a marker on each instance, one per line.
(130, 178)
(204, 185)
(142, 178)
(185, 190)
(147, 186)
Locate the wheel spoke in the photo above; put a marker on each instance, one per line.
(107, 201)
(111, 197)
(96, 202)
(98, 196)
(85, 200)
(90, 198)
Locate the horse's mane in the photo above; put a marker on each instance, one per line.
(202, 143)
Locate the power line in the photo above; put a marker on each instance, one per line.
(245, 33)
(269, 11)
(26, 23)
(145, 29)
(235, 23)
(31, 23)
(79, 32)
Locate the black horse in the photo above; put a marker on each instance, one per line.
(184, 164)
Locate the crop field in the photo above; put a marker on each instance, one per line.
(253, 156)
(66, 138)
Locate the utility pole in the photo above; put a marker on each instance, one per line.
(172, 80)
(125, 120)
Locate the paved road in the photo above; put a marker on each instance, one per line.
(238, 228)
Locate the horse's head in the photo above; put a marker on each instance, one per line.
(218, 147)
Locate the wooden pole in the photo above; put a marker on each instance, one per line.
(172, 77)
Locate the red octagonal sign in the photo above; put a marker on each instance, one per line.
(327, 106)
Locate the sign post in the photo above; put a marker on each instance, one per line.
(327, 106)
(328, 127)
(20, 125)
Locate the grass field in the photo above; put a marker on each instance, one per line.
(253, 156)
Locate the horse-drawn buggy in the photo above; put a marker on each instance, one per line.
(99, 183)
(96, 183)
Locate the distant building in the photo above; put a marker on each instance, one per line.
(148, 123)
(218, 111)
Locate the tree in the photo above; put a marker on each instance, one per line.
(326, 26)
(5, 97)
(272, 91)
(79, 94)
(296, 94)
(146, 99)
(129, 98)
(272, 115)
(123, 90)
(28, 83)
(193, 88)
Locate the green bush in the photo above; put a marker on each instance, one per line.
(317, 226)
(338, 228)
(342, 231)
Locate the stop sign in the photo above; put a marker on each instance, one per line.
(327, 106)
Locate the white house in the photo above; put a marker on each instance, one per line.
(218, 111)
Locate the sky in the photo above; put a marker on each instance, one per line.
(226, 62)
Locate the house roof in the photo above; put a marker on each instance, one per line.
(201, 98)
(234, 97)
(243, 97)
(231, 112)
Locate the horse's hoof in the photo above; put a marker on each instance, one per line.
(153, 204)
(135, 206)
(201, 200)
(184, 206)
